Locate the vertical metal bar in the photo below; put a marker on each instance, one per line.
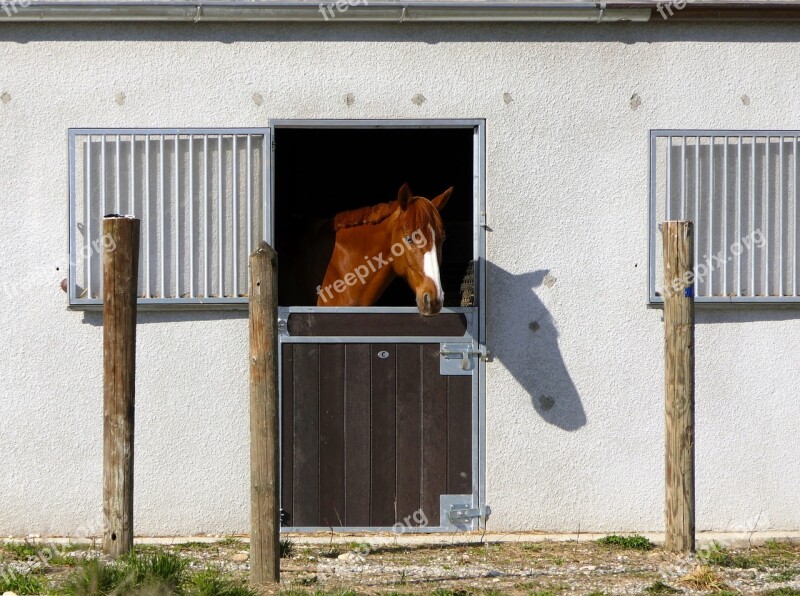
(265, 154)
(766, 216)
(117, 180)
(102, 176)
(710, 232)
(669, 179)
(752, 215)
(794, 221)
(131, 200)
(652, 230)
(249, 193)
(206, 209)
(176, 206)
(739, 215)
(191, 216)
(147, 293)
(683, 179)
(161, 187)
(234, 220)
(219, 217)
(88, 207)
(725, 217)
(697, 250)
(780, 217)
(72, 272)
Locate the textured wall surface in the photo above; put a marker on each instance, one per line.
(574, 409)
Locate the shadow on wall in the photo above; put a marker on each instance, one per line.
(529, 347)
(708, 315)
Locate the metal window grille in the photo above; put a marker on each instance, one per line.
(740, 188)
(201, 196)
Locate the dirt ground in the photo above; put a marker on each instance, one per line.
(457, 569)
(542, 568)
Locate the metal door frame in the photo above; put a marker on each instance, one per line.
(476, 316)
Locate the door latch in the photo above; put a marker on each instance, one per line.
(457, 358)
(460, 514)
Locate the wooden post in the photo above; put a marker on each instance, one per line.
(679, 384)
(264, 482)
(120, 273)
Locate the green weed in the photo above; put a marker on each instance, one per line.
(635, 542)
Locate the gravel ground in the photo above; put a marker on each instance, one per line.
(532, 568)
(542, 568)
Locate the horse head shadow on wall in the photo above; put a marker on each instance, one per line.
(525, 341)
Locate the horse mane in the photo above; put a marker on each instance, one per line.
(364, 215)
(418, 213)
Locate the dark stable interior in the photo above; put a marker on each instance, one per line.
(320, 172)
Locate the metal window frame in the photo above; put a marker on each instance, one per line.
(193, 303)
(476, 316)
(653, 299)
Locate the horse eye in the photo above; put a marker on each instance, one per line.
(408, 239)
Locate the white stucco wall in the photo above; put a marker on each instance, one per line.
(567, 195)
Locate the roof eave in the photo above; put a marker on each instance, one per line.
(397, 11)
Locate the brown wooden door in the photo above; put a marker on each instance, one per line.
(372, 434)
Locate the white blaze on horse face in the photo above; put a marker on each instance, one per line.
(430, 263)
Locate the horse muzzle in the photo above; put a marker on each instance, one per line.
(429, 304)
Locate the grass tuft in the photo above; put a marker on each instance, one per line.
(635, 542)
(330, 553)
(292, 592)
(785, 575)
(195, 545)
(702, 577)
(22, 550)
(287, 548)
(94, 577)
(21, 583)
(137, 573)
(659, 587)
(162, 569)
(212, 582)
(718, 555)
(230, 541)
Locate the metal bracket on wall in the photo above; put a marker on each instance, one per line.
(457, 513)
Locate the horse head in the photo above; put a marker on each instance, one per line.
(420, 232)
(373, 245)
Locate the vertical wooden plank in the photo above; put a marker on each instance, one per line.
(120, 276)
(264, 469)
(357, 434)
(434, 433)
(679, 385)
(409, 438)
(306, 435)
(287, 431)
(383, 397)
(331, 434)
(459, 435)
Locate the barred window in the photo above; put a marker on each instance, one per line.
(740, 188)
(201, 196)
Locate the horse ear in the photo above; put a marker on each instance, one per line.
(440, 201)
(404, 195)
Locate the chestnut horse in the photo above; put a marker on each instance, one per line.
(373, 245)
